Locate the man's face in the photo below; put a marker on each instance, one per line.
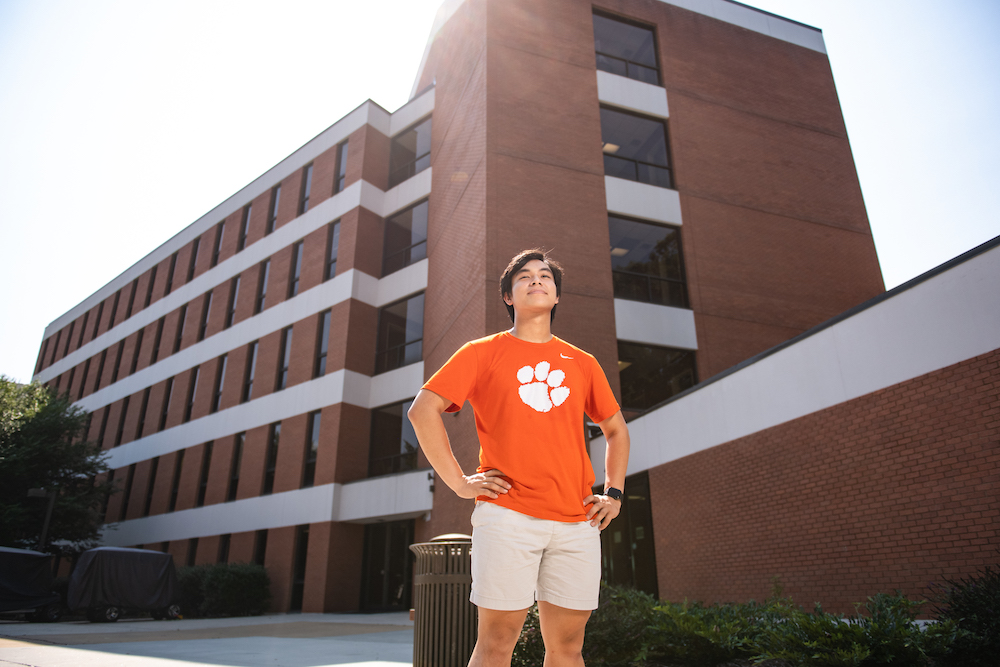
(533, 289)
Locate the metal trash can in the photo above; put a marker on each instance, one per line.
(444, 631)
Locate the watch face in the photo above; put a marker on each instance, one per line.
(612, 492)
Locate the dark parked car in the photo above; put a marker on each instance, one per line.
(26, 585)
(110, 580)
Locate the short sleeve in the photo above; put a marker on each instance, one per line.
(601, 402)
(456, 380)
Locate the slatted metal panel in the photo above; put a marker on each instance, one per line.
(444, 632)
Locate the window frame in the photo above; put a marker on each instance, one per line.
(668, 168)
(636, 24)
(409, 165)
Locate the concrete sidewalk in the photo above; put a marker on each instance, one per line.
(296, 640)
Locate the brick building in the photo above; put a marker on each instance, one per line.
(250, 376)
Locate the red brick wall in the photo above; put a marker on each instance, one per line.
(892, 490)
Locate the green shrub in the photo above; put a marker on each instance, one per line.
(224, 589)
(529, 651)
(191, 582)
(621, 627)
(973, 604)
(885, 634)
(236, 589)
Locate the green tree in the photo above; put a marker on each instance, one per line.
(42, 446)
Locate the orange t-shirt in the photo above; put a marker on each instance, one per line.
(529, 401)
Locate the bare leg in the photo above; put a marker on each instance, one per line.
(498, 633)
(562, 632)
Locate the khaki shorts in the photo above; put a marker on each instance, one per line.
(517, 559)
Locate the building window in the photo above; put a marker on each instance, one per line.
(127, 495)
(104, 427)
(69, 337)
(272, 210)
(175, 484)
(220, 381)
(307, 177)
(220, 230)
(118, 361)
(100, 369)
(170, 274)
(241, 242)
(180, 328)
(635, 148)
(285, 359)
(273, 438)
(206, 463)
(83, 380)
(153, 467)
(128, 307)
(400, 334)
(206, 309)
(410, 152)
(156, 340)
(646, 263)
(83, 330)
(393, 443)
(97, 320)
(651, 374)
(249, 373)
(405, 239)
(332, 247)
(340, 175)
(234, 292)
(261, 301)
(296, 272)
(312, 448)
(120, 433)
(259, 546)
(322, 345)
(234, 466)
(111, 320)
(167, 392)
(192, 552)
(192, 389)
(55, 347)
(138, 349)
(625, 48)
(194, 258)
(224, 548)
(149, 288)
(69, 384)
(142, 413)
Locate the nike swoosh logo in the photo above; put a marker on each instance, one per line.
(564, 356)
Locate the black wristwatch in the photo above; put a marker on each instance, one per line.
(612, 492)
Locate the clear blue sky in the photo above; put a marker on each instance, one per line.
(122, 122)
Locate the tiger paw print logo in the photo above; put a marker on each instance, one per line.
(546, 391)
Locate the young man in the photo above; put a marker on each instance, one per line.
(536, 524)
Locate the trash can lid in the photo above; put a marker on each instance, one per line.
(452, 537)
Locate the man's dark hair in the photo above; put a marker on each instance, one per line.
(516, 264)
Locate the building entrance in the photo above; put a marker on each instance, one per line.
(628, 552)
(387, 575)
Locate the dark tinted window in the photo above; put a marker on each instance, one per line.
(626, 49)
(410, 153)
(400, 334)
(405, 239)
(635, 148)
(393, 442)
(646, 262)
(651, 374)
(340, 177)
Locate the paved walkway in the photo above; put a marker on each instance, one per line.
(296, 640)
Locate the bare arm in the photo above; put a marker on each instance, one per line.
(602, 508)
(425, 416)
